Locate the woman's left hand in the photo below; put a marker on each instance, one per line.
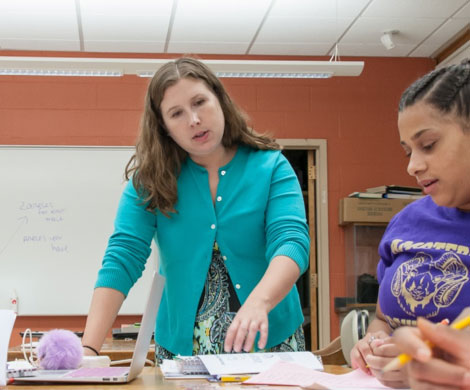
(383, 352)
(250, 319)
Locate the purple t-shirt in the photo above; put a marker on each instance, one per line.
(424, 265)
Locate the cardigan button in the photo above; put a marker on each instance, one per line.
(219, 198)
(224, 257)
(237, 286)
(213, 226)
(223, 172)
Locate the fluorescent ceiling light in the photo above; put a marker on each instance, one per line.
(276, 75)
(60, 72)
(68, 66)
(258, 75)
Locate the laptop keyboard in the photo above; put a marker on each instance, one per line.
(97, 372)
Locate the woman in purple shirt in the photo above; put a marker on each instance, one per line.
(425, 253)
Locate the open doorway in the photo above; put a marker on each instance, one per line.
(308, 158)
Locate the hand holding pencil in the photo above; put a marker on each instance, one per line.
(404, 358)
(447, 366)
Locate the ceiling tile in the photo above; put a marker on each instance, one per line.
(318, 8)
(39, 8)
(122, 46)
(373, 50)
(40, 44)
(217, 21)
(302, 30)
(413, 8)
(411, 31)
(24, 24)
(300, 49)
(440, 38)
(424, 50)
(126, 20)
(464, 12)
(313, 26)
(199, 47)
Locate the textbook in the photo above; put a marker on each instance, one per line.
(368, 195)
(236, 363)
(392, 195)
(394, 188)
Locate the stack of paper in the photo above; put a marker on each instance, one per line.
(291, 374)
(249, 363)
(235, 364)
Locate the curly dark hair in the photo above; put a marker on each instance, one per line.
(447, 89)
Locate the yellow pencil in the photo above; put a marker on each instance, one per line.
(233, 378)
(404, 358)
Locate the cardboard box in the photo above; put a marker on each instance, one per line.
(357, 210)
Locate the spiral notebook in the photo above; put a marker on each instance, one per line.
(191, 365)
(184, 367)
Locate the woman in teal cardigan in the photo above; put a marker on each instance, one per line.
(226, 211)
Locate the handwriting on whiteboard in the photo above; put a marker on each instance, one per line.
(44, 213)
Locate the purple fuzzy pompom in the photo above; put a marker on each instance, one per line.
(59, 349)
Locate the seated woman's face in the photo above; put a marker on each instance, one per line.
(439, 154)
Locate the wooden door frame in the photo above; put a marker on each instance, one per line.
(321, 211)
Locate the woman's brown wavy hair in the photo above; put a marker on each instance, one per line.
(156, 164)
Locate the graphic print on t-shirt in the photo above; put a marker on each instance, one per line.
(423, 285)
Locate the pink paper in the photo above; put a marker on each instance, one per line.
(290, 374)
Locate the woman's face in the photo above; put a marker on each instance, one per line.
(194, 119)
(439, 154)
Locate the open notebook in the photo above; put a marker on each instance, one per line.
(113, 374)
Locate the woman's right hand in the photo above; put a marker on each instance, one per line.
(447, 367)
(363, 348)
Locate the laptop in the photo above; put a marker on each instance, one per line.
(113, 374)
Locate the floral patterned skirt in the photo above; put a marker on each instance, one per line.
(218, 306)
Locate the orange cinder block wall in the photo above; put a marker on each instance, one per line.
(356, 115)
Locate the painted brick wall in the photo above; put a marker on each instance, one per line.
(356, 115)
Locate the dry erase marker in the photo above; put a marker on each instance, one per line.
(404, 358)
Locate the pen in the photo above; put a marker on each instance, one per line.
(404, 358)
(232, 378)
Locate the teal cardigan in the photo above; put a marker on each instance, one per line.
(259, 213)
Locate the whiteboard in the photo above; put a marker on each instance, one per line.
(57, 210)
